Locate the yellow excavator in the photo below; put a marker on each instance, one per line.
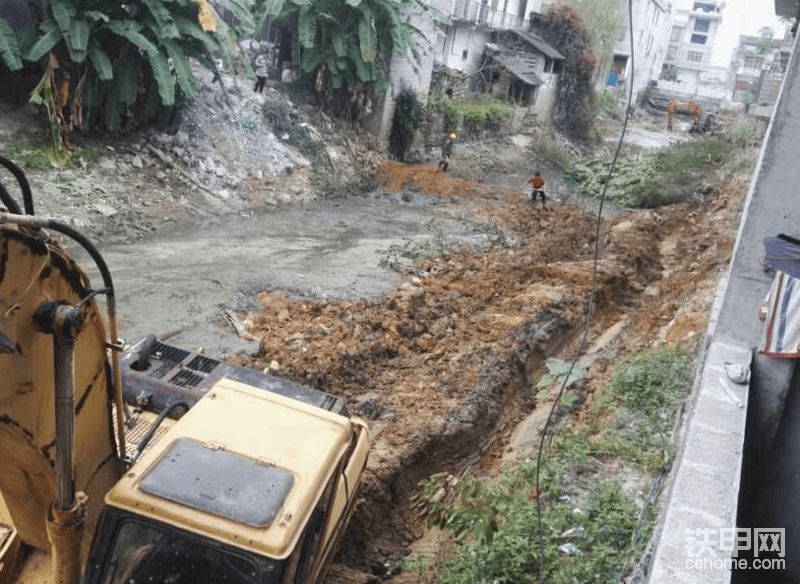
(693, 108)
(150, 464)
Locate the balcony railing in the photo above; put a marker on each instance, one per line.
(479, 13)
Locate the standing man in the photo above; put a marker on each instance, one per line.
(261, 72)
(538, 184)
(447, 151)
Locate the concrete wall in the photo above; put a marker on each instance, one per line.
(405, 72)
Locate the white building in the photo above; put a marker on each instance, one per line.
(691, 42)
(652, 20)
(496, 34)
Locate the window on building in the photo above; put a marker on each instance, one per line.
(702, 24)
(650, 43)
(656, 17)
(694, 57)
(753, 62)
(704, 6)
(677, 33)
(699, 39)
(672, 52)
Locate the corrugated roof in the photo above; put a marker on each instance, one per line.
(520, 66)
(538, 42)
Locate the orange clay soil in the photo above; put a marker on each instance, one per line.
(444, 366)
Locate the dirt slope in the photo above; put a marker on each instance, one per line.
(444, 365)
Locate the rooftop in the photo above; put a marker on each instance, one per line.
(201, 475)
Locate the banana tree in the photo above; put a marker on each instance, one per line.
(344, 44)
(104, 62)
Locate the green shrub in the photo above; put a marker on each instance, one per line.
(664, 178)
(496, 524)
(474, 116)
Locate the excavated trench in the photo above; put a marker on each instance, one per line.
(387, 521)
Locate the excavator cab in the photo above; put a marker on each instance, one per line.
(225, 476)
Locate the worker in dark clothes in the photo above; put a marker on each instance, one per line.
(447, 151)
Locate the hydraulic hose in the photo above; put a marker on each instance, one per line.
(24, 185)
(154, 427)
(8, 201)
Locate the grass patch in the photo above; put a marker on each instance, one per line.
(474, 116)
(41, 158)
(593, 530)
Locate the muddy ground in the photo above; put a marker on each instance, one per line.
(438, 297)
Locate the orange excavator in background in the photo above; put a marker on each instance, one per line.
(150, 464)
(693, 108)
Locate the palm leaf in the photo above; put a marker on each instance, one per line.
(100, 62)
(352, 3)
(362, 69)
(241, 12)
(367, 38)
(183, 70)
(310, 60)
(112, 107)
(339, 43)
(191, 29)
(166, 24)
(9, 48)
(336, 76)
(125, 82)
(63, 12)
(349, 78)
(45, 43)
(158, 64)
(128, 29)
(382, 84)
(78, 39)
(273, 9)
(166, 84)
(307, 29)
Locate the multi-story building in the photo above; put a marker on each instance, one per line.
(493, 37)
(757, 60)
(461, 45)
(691, 42)
(652, 21)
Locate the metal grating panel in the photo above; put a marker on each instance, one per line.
(169, 357)
(204, 364)
(186, 378)
(220, 482)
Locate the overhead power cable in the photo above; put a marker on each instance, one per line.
(593, 290)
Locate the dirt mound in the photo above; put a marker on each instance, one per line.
(445, 364)
(395, 176)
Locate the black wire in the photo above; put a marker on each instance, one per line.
(590, 307)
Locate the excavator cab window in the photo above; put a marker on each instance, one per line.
(142, 551)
